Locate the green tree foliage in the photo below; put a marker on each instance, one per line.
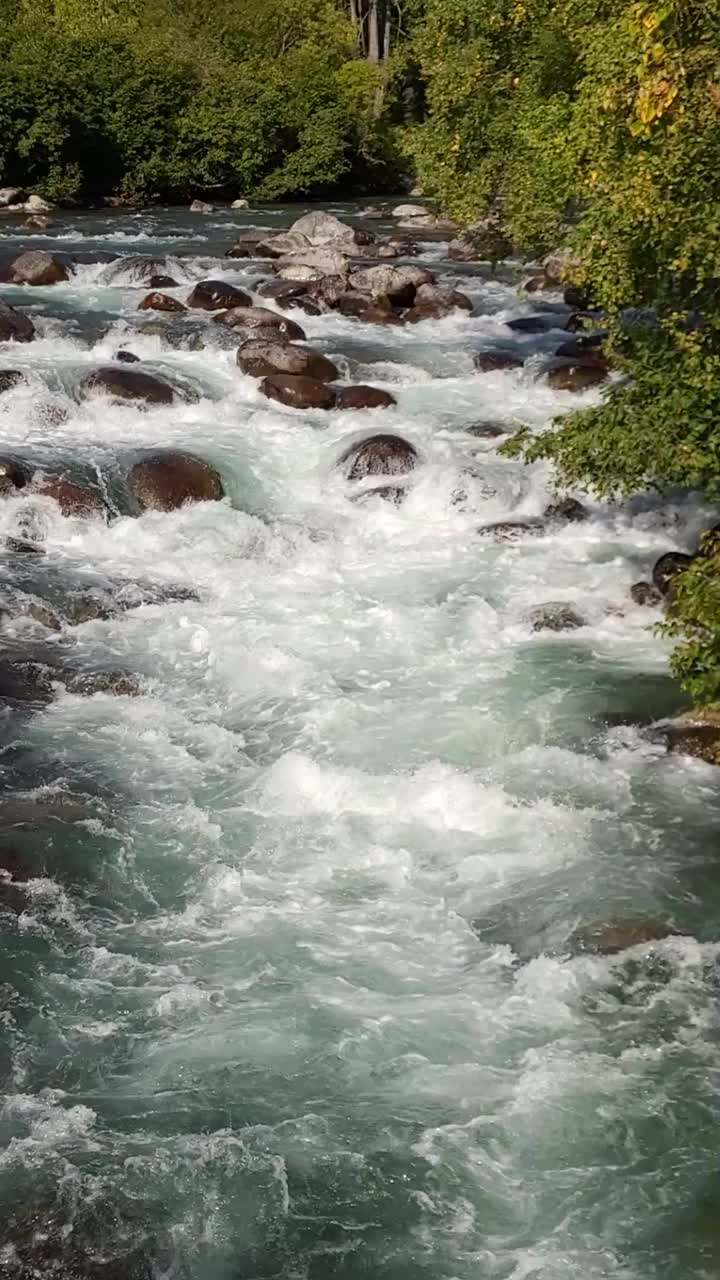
(599, 124)
(168, 97)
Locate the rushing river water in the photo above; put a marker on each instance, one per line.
(291, 994)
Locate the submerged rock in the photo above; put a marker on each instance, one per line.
(218, 295)
(380, 455)
(127, 384)
(162, 282)
(10, 378)
(27, 682)
(72, 498)
(13, 476)
(668, 568)
(512, 530)
(555, 616)
(532, 324)
(387, 492)
(607, 939)
(14, 325)
(260, 358)
(644, 593)
(492, 361)
(566, 509)
(120, 684)
(298, 392)
(362, 397)
(167, 481)
(160, 302)
(577, 377)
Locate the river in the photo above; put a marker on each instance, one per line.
(293, 992)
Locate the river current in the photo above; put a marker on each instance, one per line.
(292, 992)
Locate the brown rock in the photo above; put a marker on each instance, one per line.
(26, 682)
(162, 282)
(166, 481)
(362, 397)
(535, 284)
(399, 284)
(491, 361)
(386, 455)
(14, 326)
(36, 267)
(577, 377)
(260, 322)
(696, 733)
(127, 384)
(607, 939)
(73, 499)
(160, 302)
(259, 359)
(298, 392)
(218, 295)
(566, 509)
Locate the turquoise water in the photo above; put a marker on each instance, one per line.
(290, 991)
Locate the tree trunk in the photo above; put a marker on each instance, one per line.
(373, 43)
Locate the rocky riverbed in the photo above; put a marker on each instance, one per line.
(356, 917)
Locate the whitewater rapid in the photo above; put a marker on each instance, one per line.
(295, 996)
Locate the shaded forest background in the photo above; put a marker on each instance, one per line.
(593, 124)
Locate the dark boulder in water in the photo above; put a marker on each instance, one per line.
(120, 684)
(260, 358)
(566, 509)
(261, 323)
(668, 568)
(388, 492)
(512, 530)
(167, 481)
(13, 476)
(298, 392)
(127, 384)
(695, 733)
(127, 357)
(218, 295)
(73, 499)
(555, 616)
(644, 593)
(380, 455)
(10, 378)
(362, 397)
(577, 377)
(27, 682)
(492, 361)
(609, 938)
(160, 302)
(434, 303)
(162, 282)
(532, 324)
(14, 325)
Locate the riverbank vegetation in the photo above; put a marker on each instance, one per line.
(593, 124)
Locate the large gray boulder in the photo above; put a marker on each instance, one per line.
(312, 264)
(260, 322)
(399, 284)
(36, 267)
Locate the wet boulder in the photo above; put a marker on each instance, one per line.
(577, 348)
(201, 206)
(555, 616)
(312, 264)
(433, 303)
(10, 378)
(496, 361)
(260, 358)
(393, 493)
(695, 733)
(260, 322)
(565, 509)
(282, 290)
(127, 357)
(127, 384)
(218, 295)
(298, 392)
(247, 245)
(13, 476)
(668, 568)
(611, 937)
(160, 302)
(488, 430)
(167, 481)
(162, 282)
(535, 284)
(14, 325)
(35, 267)
(362, 397)
(119, 684)
(577, 377)
(136, 269)
(27, 682)
(72, 498)
(380, 455)
(646, 594)
(399, 284)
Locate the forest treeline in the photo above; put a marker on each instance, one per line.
(593, 124)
